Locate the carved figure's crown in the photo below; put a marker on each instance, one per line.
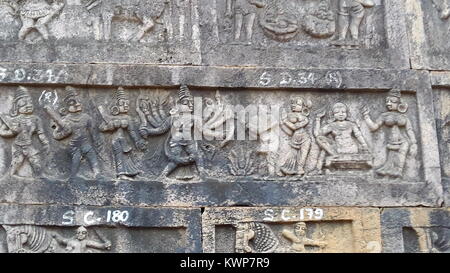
(21, 92)
(184, 93)
(121, 94)
(71, 92)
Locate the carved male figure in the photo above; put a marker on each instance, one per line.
(299, 240)
(346, 137)
(244, 16)
(80, 243)
(120, 124)
(401, 138)
(36, 14)
(23, 125)
(294, 125)
(350, 16)
(72, 123)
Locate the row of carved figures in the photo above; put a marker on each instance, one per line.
(277, 21)
(341, 143)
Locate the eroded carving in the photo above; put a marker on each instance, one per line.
(145, 13)
(294, 125)
(255, 238)
(341, 141)
(443, 8)
(28, 239)
(279, 22)
(400, 139)
(350, 17)
(72, 123)
(320, 21)
(36, 14)
(242, 163)
(120, 124)
(80, 243)
(299, 239)
(22, 125)
(244, 12)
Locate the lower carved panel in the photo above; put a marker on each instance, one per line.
(291, 230)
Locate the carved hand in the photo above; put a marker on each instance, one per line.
(365, 111)
(141, 145)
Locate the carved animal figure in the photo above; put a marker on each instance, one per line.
(146, 13)
(28, 239)
(263, 239)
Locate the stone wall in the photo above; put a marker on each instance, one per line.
(224, 126)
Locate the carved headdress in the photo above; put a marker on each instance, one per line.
(184, 93)
(396, 93)
(71, 93)
(120, 94)
(21, 93)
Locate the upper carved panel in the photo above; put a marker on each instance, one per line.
(266, 32)
(155, 30)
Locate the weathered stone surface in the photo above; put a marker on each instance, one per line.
(304, 34)
(415, 230)
(85, 31)
(136, 163)
(37, 229)
(441, 85)
(428, 24)
(291, 230)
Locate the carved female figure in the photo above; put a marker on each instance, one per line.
(401, 139)
(346, 138)
(294, 125)
(23, 125)
(120, 124)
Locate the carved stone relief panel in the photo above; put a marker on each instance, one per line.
(416, 230)
(428, 25)
(99, 230)
(291, 230)
(86, 31)
(295, 33)
(325, 138)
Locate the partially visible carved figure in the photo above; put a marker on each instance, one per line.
(263, 239)
(401, 139)
(320, 22)
(28, 239)
(244, 12)
(299, 240)
(72, 123)
(80, 243)
(120, 124)
(36, 14)
(295, 126)
(146, 13)
(8, 10)
(23, 125)
(342, 140)
(350, 16)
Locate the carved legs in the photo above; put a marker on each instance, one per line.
(27, 26)
(107, 21)
(148, 24)
(396, 160)
(247, 21)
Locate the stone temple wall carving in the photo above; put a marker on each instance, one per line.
(247, 126)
